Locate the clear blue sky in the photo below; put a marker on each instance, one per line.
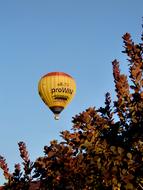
(80, 37)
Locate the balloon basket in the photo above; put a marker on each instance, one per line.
(57, 117)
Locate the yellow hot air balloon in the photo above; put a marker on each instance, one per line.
(57, 89)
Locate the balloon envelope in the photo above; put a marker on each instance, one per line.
(57, 89)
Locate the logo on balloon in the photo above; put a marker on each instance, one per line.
(63, 90)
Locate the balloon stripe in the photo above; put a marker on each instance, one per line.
(47, 97)
(57, 73)
(43, 91)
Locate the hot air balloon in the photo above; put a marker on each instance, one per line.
(57, 89)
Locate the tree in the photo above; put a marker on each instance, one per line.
(101, 152)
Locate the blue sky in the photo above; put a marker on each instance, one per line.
(79, 37)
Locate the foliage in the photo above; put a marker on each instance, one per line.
(101, 152)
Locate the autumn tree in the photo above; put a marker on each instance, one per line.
(104, 149)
